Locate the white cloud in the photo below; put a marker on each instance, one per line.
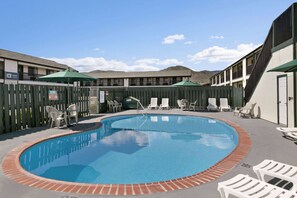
(172, 38)
(99, 63)
(218, 54)
(216, 37)
(155, 61)
(97, 49)
(188, 42)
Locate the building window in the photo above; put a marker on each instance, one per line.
(100, 82)
(227, 75)
(48, 71)
(149, 81)
(132, 81)
(141, 82)
(237, 71)
(115, 82)
(32, 73)
(174, 80)
(222, 77)
(157, 81)
(21, 72)
(1, 69)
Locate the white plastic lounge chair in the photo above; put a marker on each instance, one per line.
(193, 105)
(164, 104)
(277, 169)
(290, 133)
(154, 104)
(73, 112)
(248, 110)
(244, 186)
(212, 104)
(56, 117)
(224, 104)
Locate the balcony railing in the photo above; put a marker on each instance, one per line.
(237, 74)
(27, 76)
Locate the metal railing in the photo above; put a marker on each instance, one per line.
(260, 66)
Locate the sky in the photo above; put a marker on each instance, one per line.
(137, 35)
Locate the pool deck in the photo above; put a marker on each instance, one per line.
(267, 143)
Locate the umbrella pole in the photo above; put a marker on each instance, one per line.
(68, 94)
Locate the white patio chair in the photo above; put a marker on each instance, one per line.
(224, 104)
(289, 132)
(244, 186)
(277, 169)
(111, 106)
(212, 104)
(56, 117)
(193, 105)
(153, 104)
(164, 104)
(73, 112)
(118, 105)
(181, 104)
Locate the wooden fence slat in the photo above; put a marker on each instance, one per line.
(12, 107)
(18, 109)
(1, 111)
(6, 109)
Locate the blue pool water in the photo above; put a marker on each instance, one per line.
(133, 149)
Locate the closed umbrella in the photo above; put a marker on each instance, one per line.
(66, 76)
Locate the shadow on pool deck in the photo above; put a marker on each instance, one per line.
(267, 143)
(83, 124)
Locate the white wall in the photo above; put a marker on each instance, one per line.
(265, 94)
(10, 66)
(126, 82)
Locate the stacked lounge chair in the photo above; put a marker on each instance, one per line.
(246, 186)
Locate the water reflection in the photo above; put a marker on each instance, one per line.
(126, 141)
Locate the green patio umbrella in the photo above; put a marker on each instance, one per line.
(66, 76)
(287, 67)
(186, 84)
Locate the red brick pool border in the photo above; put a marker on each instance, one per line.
(14, 171)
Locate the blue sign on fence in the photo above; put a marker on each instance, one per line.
(11, 75)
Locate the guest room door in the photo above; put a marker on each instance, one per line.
(282, 100)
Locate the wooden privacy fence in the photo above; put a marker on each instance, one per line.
(234, 95)
(23, 106)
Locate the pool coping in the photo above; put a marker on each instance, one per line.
(14, 171)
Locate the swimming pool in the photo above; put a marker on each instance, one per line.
(133, 149)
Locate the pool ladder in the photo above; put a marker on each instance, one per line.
(139, 103)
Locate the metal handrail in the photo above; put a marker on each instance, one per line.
(138, 102)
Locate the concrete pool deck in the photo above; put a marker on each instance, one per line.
(267, 143)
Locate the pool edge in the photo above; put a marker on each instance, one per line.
(14, 171)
